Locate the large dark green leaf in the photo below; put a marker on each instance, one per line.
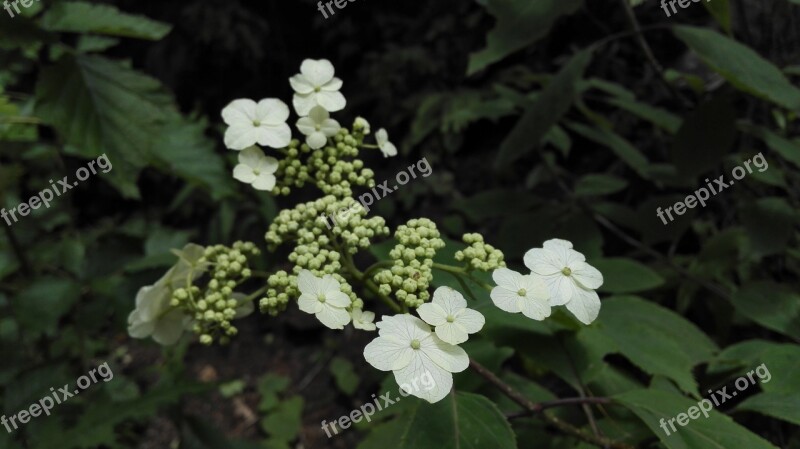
(626, 276)
(84, 17)
(519, 24)
(771, 305)
(777, 405)
(741, 66)
(554, 101)
(717, 431)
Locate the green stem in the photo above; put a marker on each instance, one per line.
(377, 265)
(21, 120)
(458, 271)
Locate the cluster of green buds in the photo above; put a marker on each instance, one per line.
(334, 169)
(215, 308)
(480, 255)
(411, 272)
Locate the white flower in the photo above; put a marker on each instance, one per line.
(323, 297)
(387, 148)
(316, 85)
(363, 320)
(251, 123)
(520, 293)
(318, 126)
(449, 314)
(407, 347)
(362, 123)
(256, 169)
(153, 316)
(569, 278)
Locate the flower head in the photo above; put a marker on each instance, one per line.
(363, 320)
(361, 124)
(323, 297)
(387, 148)
(251, 123)
(520, 293)
(406, 346)
(317, 127)
(569, 278)
(449, 314)
(256, 169)
(153, 315)
(316, 85)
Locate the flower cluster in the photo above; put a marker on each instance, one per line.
(411, 273)
(480, 255)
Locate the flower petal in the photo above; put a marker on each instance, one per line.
(450, 300)
(535, 287)
(505, 299)
(388, 149)
(332, 101)
(451, 333)
(535, 309)
(251, 156)
(471, 320)
(169, 328)
(307, 282)
(316, 140)
(330, 127)
(422, 367)
(300, 84)
(332, 85)
(543, 261)
(333, 317)
(274, 136)
(554, 243)
(318, 114)
(448, 356)
(585, 305)
(381, 137)
(272, 111)
(432, 314)
(239, 112)
(137, 327)
(303, 103)
(562, 288)
(586, 275)
(268, 164)
(337, 299)
(388, 354)
(306, 126)
(265, 182)
(309, 303)
(239, 137)
(244, 174)
(317, 72)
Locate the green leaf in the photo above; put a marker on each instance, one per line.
(599, 184)
(718, 431)
(771, 358)
(232, 388)
(741, 66)
(664, 344)
(40, 307)
(626, 276)
(706, 136)
(84, 17)
(771, 305)
(777, 405)
(617, 144)
(519, 23)
(769, 223)
(344, 375)
(657, 116)
(787, 149)
(269, 387)
(459, 421)
(721, 10)
(285, 422)
(553, 102)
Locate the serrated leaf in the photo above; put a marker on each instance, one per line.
(741, 66)
(84, 17)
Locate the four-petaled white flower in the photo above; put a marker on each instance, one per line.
(316, 85)
(251, 123)
(387, 148)
(569, 278)
(406, 346)
(317, 127)
(516, 293)
(323, 297)
(256, 169)
(449, 314)
(153, 315)
(363, 320)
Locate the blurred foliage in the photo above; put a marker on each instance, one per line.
(541, 119)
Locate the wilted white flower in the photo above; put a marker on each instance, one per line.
(363, 320)
(256, 169)
(323, 297)
(449, 314)
(154, 316)
(251, 123)
(569, 278)
(387, 148)
(520, 293)
(316, 85)
(317, 127)
(406, 346)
